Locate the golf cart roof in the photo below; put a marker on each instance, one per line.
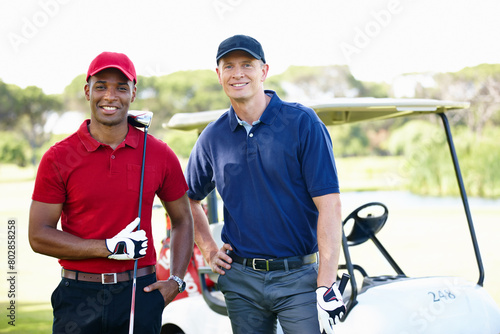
(337, 111)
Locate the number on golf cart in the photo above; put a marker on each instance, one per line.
(441, 295)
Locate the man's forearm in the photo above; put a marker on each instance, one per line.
(202, 234)
(329, 240)
(62, 245)
(181, 247)
(46, 239)
(329, 252)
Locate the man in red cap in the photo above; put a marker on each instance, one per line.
(90, 182)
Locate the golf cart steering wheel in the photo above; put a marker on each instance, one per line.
(367, 222)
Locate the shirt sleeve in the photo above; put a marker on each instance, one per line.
(318, 162)
(49, 184)
(199, 171)
(174, 185)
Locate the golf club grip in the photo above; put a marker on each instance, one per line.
(343, 282)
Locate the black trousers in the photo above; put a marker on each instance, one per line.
(95, 308)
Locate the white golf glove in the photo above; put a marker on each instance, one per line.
(330, 307)
(128, 245)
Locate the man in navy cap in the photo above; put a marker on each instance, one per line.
(273, 165)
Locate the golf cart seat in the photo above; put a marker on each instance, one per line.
(365, 223)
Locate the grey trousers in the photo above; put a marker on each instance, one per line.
(255, 299)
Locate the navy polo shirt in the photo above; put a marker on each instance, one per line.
(266, 178)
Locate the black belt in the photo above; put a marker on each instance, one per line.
(294, 262)
(107, 278)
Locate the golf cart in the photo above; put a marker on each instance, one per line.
(393, 303)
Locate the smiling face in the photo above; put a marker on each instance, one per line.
(241, 75)
(110, 93)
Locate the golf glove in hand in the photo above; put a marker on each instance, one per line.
(128, 245)
(330, 306)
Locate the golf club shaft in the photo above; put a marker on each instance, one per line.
(134, 285)
(142, 175)
(132, 304)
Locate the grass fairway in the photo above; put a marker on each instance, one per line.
(437, 233)
(32, 318)
(368, 173)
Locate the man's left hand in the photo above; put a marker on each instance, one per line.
(168, 289)
(330, 307)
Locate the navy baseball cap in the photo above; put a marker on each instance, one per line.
(241, 42)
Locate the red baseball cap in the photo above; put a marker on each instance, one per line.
(112, 60)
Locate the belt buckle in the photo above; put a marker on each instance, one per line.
(267, 264)
(104, 279)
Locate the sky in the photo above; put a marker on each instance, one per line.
(47, 43)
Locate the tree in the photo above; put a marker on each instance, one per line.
(479, 85)
(183, 91)
(317, 82)
(74, 97)
(8, 105)
(33, 108)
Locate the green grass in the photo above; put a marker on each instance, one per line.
(370, 173)
(33, 318)
(12, 173)
(356, 174)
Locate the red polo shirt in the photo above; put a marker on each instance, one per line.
(99, 189)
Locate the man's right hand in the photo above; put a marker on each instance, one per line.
(220, 261)
(128, 245)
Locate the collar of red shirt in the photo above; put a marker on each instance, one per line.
(132, 138)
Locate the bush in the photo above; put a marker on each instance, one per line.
(13, 149)
(480, 159)
(428, 167)
(181, 142)
(14, 153)
(349, 140)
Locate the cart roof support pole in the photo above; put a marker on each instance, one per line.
(464, 197)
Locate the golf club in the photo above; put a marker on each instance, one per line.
(141, 119)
